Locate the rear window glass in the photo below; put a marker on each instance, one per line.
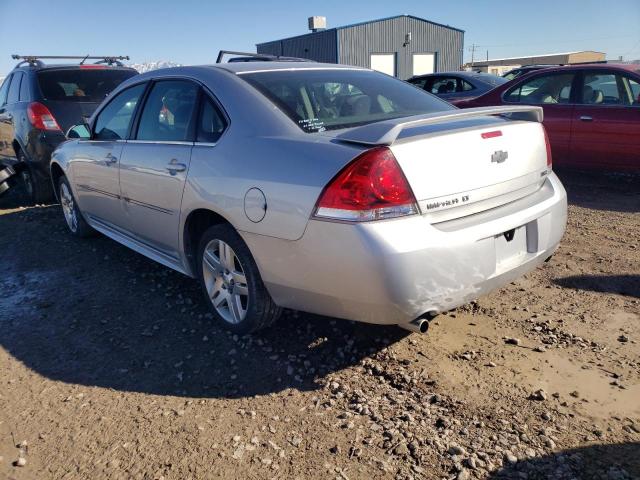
(319, 100)
(80, 85)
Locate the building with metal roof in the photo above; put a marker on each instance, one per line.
(402, 46)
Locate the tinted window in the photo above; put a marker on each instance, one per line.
(80, 85)
(330, 99)
(4, 90)
(545, 89)
(600, 88)
(211, 123)
(114, 120)
(14, 89)
(633, 85)
(25, 96)
(168, 111)
(443, 85)
(466, 86)
(418, 82)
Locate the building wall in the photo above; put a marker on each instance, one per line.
(318, 46)
(358, 42)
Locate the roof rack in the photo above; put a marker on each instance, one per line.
(36, 60)
(258, 57)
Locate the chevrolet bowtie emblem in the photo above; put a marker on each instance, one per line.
(499, 156)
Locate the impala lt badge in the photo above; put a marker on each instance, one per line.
(499, 156)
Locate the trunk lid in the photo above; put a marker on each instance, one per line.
(463, 162)
(465, 170)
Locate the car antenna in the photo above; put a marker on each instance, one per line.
(84, 59)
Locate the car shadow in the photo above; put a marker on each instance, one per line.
(628, 285)
(601, 189)
(92, 312)
(614, 461)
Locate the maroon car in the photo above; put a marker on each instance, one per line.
(591, 112)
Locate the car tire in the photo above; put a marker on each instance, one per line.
(38, 191)
(231, 282)
(76, 223)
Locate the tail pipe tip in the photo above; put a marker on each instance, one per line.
(420, 324)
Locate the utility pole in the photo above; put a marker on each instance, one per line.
(473, 51)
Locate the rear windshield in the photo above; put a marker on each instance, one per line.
(319, 100)
(80, 85)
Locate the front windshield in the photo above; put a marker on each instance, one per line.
(330, 99)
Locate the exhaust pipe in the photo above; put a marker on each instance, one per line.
(420, 324)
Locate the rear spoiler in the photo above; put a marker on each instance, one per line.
(387, 132)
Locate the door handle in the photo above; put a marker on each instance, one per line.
(175, 167)
(586, 118)
(110, 159)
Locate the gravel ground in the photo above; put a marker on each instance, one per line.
(110, 367)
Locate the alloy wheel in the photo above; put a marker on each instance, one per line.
(225, 281)
(68, 207)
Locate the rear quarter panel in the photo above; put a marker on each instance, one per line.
(290, 172)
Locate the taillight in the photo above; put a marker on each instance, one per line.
(549, 157)
(41, 118)
(371, 187)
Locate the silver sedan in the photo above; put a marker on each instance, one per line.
(323, 188)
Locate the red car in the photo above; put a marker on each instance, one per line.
(591, 112)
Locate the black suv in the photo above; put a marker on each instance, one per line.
(38, 104)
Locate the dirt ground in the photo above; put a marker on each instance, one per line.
(110, 367)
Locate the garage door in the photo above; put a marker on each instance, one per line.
(384, 62)
(424, 63)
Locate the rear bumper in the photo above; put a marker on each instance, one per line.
(392, 272)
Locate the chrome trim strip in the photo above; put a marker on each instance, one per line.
(161, 142)
(204, 144)
(147, 205)
(102, 192)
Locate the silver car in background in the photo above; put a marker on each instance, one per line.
(323, 188)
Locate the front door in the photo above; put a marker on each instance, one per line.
(6, 115)
(154, 164)
(606, 124)
(95, 166)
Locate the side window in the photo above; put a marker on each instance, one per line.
(600, 89)
(211, 123)
(443, 85)
(14, 89)
(168, 111)
(4, 90)
(543, 89)
(631, 87)
(419, 82)
(25, 96)
(113, 122)
(466, 86)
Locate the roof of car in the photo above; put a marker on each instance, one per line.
(244, 67)
(60, 66)
(630, 67)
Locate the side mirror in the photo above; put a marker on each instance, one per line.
(79, 131)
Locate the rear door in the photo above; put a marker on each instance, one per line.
(606, 126)
(94, 168)
(554, 92)
(155, 162)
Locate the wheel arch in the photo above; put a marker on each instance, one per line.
(195, 224)
(56, 173)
